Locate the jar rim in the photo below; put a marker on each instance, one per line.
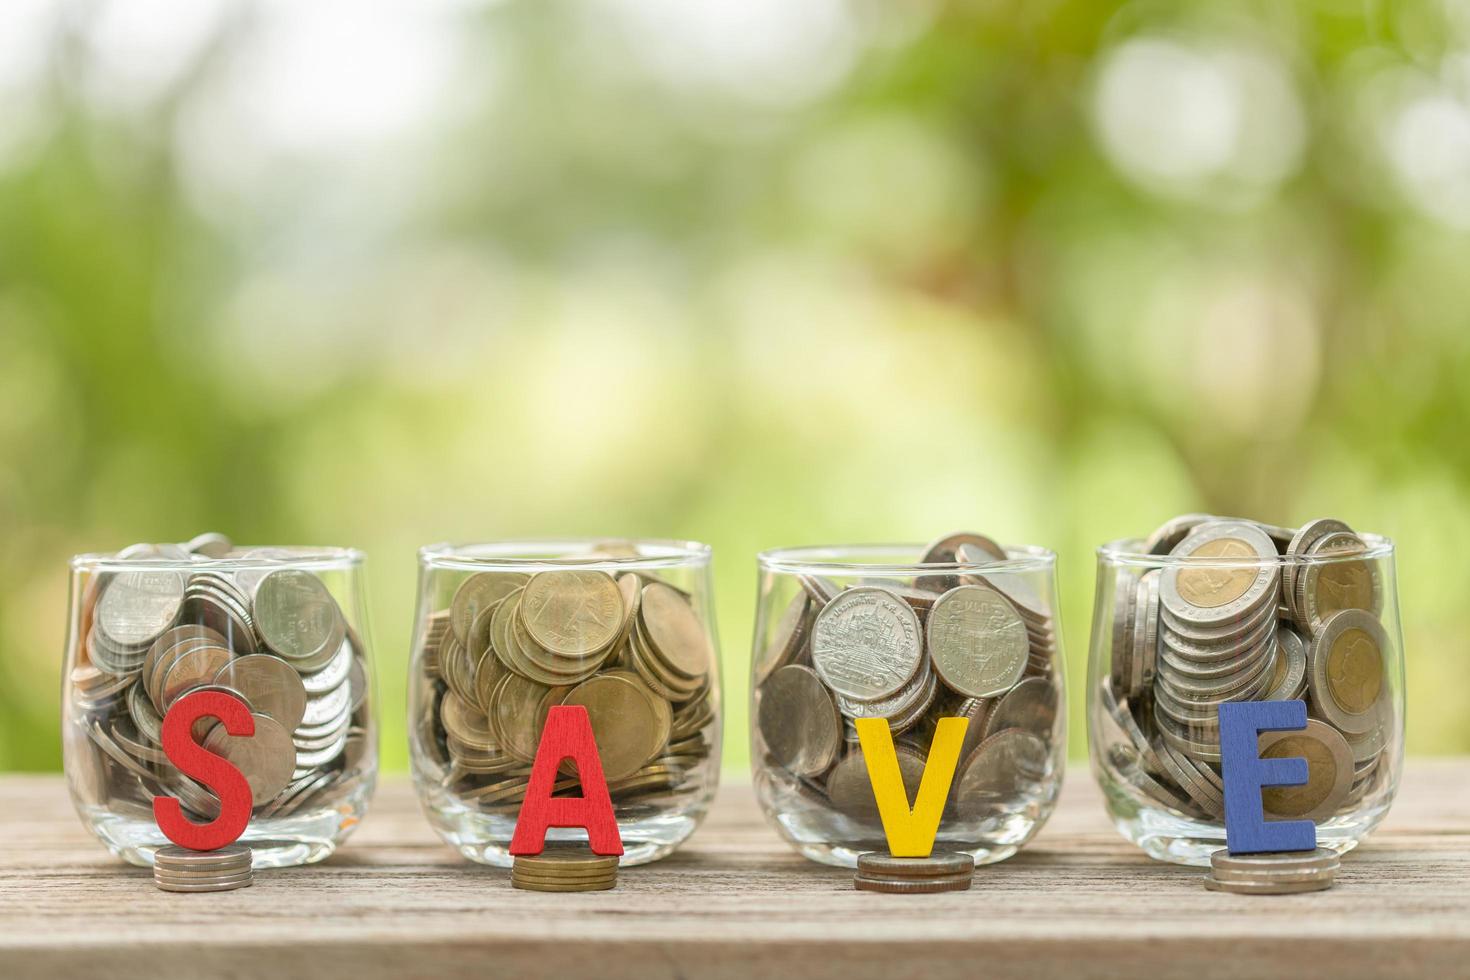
(307, 557)
(551, 554)
(1129, 551)
(829, 559)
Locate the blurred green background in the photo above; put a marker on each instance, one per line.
(757, 272)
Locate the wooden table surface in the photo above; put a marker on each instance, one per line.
(1079, 902)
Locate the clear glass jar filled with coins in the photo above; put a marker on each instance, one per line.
(961, 628)
(280, 628)
(1208, 610)
(505, 631)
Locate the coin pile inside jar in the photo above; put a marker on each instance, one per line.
(941, 871)
(258, 629)
(178, 869)
(968, 642)
(630, 648)
(564, 869)
(1282, 873)
(1254, 613)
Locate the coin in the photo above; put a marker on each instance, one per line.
(270, 686)
(1221, 582)
(135, 607)
(851, 792)
(1267, 887)
(977, 641)
(1347, 669)
(913, 886)
(621, 715)
(230, 857)
(477, 593)
(798, 721)
(194, 668)
(222, 884)
(866, 643)
(1316, 860)
(573, 613)
(786, 641)
(674, 631)
(937, 863)
(1329, 771)
(298, 618)
(266, 758)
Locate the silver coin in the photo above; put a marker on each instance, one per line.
(182, 858)
(866, 643)
(798, 721)
(977, 641)
(297, 617)
(1030, 706)
(136, 607)
(270, 686)
(266, 758)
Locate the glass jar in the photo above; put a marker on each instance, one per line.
(1210, 610)
(505, 631)
(877, 632)
(281, 628)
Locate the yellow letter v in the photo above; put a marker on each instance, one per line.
(910, 833)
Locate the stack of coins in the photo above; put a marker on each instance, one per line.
(178, 869)
(1284, 873)
(1193, 635)
(631, 649)
(269, 635)
(965, 643)
(941, 871)
(564, 869)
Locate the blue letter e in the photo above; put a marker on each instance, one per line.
(1245, 773)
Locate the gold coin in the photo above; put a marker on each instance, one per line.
(567, 860)
(1329, 771)
(539, 886)
(574, 613)
(1218, 586)
(675, 632)
(621, 715)
(1355, 670)
(518, 714)
(477, 593)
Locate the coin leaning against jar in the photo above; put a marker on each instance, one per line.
(627, 646)
(970, 639)
(273, 637)
(1250, 612)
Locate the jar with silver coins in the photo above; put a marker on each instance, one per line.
(280, 628)
(1209, 610)
(506, 631)
(963, 628)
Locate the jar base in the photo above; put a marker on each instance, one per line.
(485, 837)
(275, 842)
(1167, 837)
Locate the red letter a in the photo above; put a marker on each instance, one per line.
(567, 735)
(215, 772)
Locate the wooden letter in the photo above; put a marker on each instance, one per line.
(567, 735)
(910, 832)
(1246, 829)
(216, 773)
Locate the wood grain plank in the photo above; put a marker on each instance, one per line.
(735, 902)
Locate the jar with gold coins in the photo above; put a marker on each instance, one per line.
(282, 629)
(962, 628)
(505, 631)
(1211, 610)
